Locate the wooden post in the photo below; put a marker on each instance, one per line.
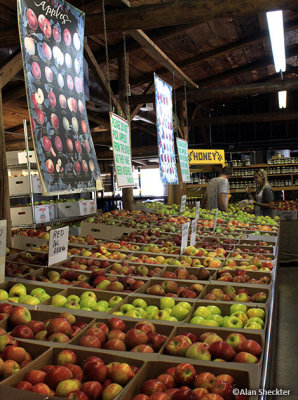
(123, 79)
(4, 189)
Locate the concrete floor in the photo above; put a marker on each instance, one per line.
(287, 332)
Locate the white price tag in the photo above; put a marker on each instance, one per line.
(183, 203)
(3, 232)
(58, 245)
(84, 207)
(184, 237)
(193, 234)
(197, 214)
(42, 214)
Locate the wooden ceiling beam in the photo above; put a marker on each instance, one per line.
(246, 118)
(181, 12)
(158, 55)
(100, 76)
(11, 68)
(92, 116)
(219, 51)
(12, 94)
(227, 92)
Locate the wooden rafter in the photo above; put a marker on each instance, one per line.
(148, 90)
(13, 94)
(182, 12)
(158, 55)
(100, 76)
(10, 69)
(246, 118)
(227, 92)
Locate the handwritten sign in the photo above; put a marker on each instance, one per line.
(183, 203)
(202, 156)
(184, 237)
(193, 234)
(3, 232)
(58, 245)
(197, 214)
(182, 147)
(121, 148)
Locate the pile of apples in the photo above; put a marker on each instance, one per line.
(168, 310)
(285, 205)
(229, 293)
(13, 357)
(254, 264)
(211, 347)
(60, 329)
(99, 252)
(240, 317)
(241, 276)
(86, 301)
(182, 382)
(140, 269)
(34, 233)
(172, 289)
(18, 294)
(85, 264)
(25, 257)
(15, 270)
(89, 239)
(93, 379)
(116, 336)
(200, 273)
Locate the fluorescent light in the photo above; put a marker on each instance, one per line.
(276, 32)
(282, 99)
(111, 148)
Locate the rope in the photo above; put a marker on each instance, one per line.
(125, 72)
(186, 113)
(107, 52)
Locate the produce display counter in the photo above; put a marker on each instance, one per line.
(131, 281)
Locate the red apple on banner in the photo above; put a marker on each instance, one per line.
(32, 20)
(51, 98)
(81, 107)
(55, 121)
(50, 166)
(46, 142)
(77, 167)
(67, 37)
(62, 101)
(57, 33)
(69, 82)
(35, 69)
(49, 74)
(47, 51)
(40, 117)
(84, 166)
(69, 145)
(58, 143)
(78, 146)
(84, 126)
(91, 165)
(86, 145)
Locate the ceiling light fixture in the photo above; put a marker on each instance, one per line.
(282, 99)
(276, 32)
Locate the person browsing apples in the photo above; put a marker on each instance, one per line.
(217, 191)
(264, 196)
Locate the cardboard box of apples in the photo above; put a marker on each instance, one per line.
(239, 277)
(59, 372)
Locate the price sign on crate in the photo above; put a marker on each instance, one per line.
(193, 234)
(183, 203)
(58, 245)
(184, 237)
(3, 231)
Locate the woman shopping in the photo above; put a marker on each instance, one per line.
(264, 196)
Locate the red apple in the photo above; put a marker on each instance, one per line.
(152, 386)
(185, 374)
(116, 323)
(14, 353)
(115, 344)
(36, 326)
(19, 315)
(90, 341)
(223, 350)
(42, 388)
(95, 371)
(145, 326)
(35, 376)
(224, 389)
(134, 337)
(251, 346)
(182, 394)
(6, 308)
(76, 370)
(22, 331)
(66, 356)
(178, 345)
(23, 385)
(204, 380)
(235, 340)
(31, 17)
(168, 380)
(245, 357)
(78, 395)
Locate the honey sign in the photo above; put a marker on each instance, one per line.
(203, 156)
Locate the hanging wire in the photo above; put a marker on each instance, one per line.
(125, 73)
(107, 52)
(174, 88)
(186, 113)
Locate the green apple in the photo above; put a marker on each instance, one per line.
(161, 315)
(133, 314)
(43, 297)
(233, 322)
(99, 308)
(37, 292)
(202, 312)
(214, 310)
(256, 312)
(197, 320)
(103, 284)
(172, 319)
(141, 311)
(210, 322)
(257, 320)
(179, 312)
(13, 299)
(167, 302)
(237, 307)
(87, 309)
(103, 303)
(24, 298)
(217, 318)
(241, 315)
(32, 300)
(150, 311)
(88, 302)
(73, 297)
(141, 303)
(126, 307)
(185, 304)
(168, 310)
(115, 300)
(58, 300)
(17, 290)
(3, 295)
(88, 293)
(72, 305)
(119, 313)
(252, 325)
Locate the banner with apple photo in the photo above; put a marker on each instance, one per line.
(52, 42)
(165, 134)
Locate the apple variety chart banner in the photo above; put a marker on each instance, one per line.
(165, 134)
(120, 130)
(184, 237)
(182, 147)
(52, 42)
(58, 245)
(3, 233)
